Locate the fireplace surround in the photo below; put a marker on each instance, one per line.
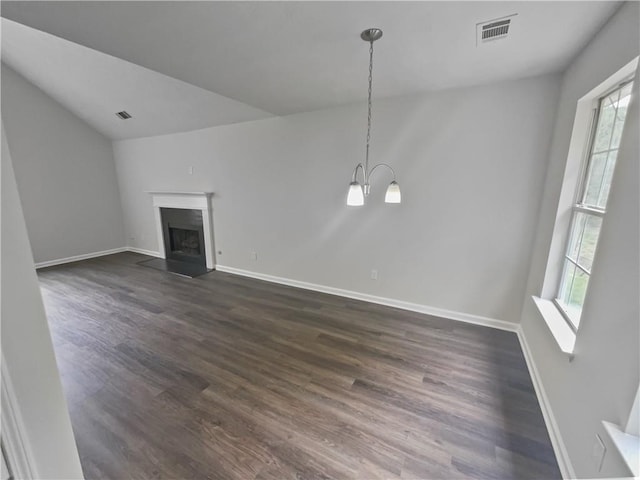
(189, 237)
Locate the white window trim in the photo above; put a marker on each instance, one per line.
(578, 206)
(627, 440)
(560, 328)
(18, 451)
(627, 445)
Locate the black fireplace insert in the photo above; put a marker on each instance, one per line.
(183, 235)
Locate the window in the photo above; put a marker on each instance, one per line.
(590, 205)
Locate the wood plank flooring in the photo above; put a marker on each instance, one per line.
(224, 377)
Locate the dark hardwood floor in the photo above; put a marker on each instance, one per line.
(231, 378)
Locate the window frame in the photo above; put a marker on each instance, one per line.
(569, 179)
(577, 205)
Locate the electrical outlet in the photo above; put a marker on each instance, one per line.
(191, 170)
(254, 256)
(598, 452)
(374, 274)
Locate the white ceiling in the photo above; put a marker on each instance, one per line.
(276, 57)
(95, 86)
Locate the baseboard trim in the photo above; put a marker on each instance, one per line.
(564, 463)
(389, 302)
(142, 251)
(87, 256)
(77, 258)
(559, 448)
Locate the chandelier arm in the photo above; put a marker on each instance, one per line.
(383, 165)
(355, 173)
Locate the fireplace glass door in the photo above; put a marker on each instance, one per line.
(183, 235)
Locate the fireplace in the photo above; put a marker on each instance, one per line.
(183, 235)
(184, 228)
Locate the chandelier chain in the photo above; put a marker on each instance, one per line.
(366, 162)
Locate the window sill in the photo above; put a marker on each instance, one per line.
(562, 333)
(627, 445)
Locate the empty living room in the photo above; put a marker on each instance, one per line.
(253, 240)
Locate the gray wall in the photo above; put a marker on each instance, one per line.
(65, 174)
(602, 380)
(471, 164)
(27, 352)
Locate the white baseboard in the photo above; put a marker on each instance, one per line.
(552, 427)
(151, 253)
(390, 302)
(559, 448)
(86, 256)
(77, 258)
(562, 456)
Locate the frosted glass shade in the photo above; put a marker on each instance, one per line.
(393, 193)
(355, 197)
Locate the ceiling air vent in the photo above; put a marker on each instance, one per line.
(493, 29)
(123, 115)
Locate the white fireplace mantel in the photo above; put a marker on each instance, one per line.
(189, 200)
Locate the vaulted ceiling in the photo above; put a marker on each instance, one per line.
(179, 66)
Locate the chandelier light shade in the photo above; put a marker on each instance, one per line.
(357, 191)
(393, 194)
(355, 197)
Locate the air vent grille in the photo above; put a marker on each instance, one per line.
(493, 29)
(123, 115)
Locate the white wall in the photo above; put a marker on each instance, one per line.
(27, 351)
(65, 174)
(602, 380)
(471, 164)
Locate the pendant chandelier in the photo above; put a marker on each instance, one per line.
(357, 191)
